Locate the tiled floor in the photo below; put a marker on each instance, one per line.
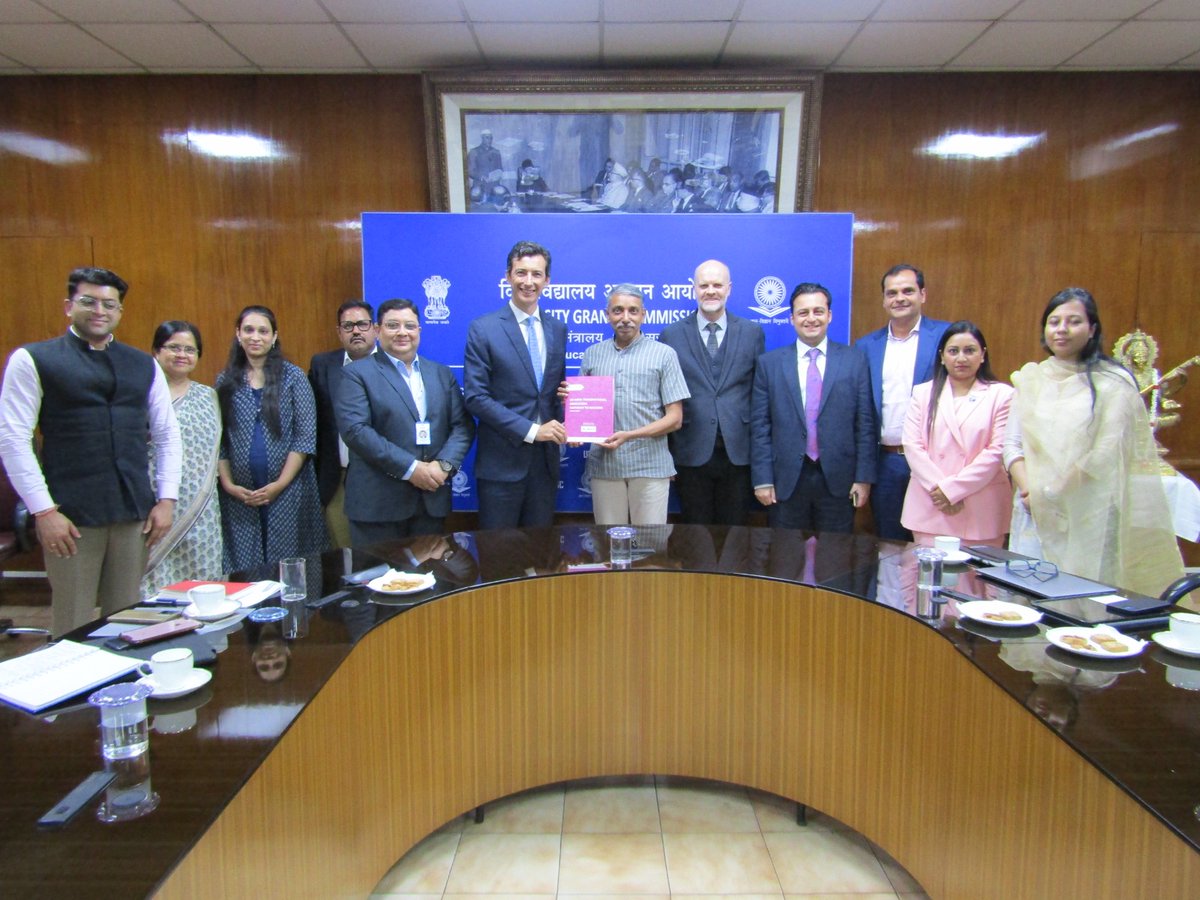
(646, 837)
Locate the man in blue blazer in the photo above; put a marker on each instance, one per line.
(356, 332)
(812, 463)
(514, 362)
(407, 428)
(900, 355)
(717, 352)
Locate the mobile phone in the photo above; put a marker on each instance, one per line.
(83, 793)
(146, 615)
(160, 631)
(1138, 606)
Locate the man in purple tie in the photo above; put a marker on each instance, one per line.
(812, 423)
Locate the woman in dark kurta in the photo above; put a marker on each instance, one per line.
(270, 507)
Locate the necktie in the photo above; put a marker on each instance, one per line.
(812, 403)
(535, 352)
(711, 328)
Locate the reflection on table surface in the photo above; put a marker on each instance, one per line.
(1137, 719)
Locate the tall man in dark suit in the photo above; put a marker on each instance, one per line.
(812, 424)
(900, 355)
(357, 334)
(407, 428)
(513, 364)
(717, 351)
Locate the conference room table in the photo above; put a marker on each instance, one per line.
(987, 762)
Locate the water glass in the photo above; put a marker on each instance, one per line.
(292, 575)
(620, 546)
(124, 731)
(929, 568)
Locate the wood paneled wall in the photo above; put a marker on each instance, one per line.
(1109, 198)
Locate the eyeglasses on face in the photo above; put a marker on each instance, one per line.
(360, 325)
(1038, 569)
(181, 348)
(92, 302)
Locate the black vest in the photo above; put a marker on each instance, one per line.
(94, 427)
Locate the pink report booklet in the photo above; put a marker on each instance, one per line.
(588, 408)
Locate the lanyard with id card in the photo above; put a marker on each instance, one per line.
(424, 434)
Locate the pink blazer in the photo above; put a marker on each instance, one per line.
(962, 458)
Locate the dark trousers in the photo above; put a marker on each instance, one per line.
(364, 533)
(528, 503)
(812, 506)
(887, 496)
(716, 493)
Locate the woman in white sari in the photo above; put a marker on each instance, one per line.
(192, 549)
(1081, 455)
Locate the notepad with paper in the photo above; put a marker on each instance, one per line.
(58, 672)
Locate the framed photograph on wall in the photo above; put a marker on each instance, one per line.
(640, 141)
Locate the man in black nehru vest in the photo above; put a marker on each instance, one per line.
(93, 401)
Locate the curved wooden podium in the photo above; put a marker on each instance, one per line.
(849, 706)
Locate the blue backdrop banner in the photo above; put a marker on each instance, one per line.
(452, 266)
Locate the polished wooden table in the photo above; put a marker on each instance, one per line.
(986, 764)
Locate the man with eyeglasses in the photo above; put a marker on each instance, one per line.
(403, 418)
(357, 334)
(96, 512)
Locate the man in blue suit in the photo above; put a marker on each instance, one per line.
(514, 362)
(900, 355)
(717, 352)
(812, 463)
(407, 428)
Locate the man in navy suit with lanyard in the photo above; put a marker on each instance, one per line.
(514, 362)
(404, 421)
(717, 351)
(900, 355)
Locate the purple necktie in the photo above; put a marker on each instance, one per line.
(812, 404)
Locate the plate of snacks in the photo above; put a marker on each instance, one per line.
(999, 612)
(1101, 642)
(395, 583)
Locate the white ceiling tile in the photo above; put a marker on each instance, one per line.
(1142, 43)
(293, 47)
(385, 11)
(1192, 62)
(941, 10)
(1180, 10)
(247, 11)
(654, 44)
(25, 11)
(806, 10)
(86, 11)
(807, 44)
(669, 10)
(537, 42)
(416, 46)
(64, 47)
(178, 46)
(1029, 44)
(533, 11)
(1077, 10)
(892, 44)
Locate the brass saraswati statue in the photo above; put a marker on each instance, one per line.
(1138, 352)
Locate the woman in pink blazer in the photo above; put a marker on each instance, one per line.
(953, 441)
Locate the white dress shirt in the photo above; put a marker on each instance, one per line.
(899, 364)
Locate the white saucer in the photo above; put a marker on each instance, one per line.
(957, 558)
(1172, 643)
(198, 679)
(227, 608)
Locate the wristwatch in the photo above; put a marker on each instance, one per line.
(447, 467)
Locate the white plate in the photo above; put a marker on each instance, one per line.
(978, 610)
(198, 679)
(1056, 635)
(957, 558)
(1172, 643)
(427, 581)
(225, 608)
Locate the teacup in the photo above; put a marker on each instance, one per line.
(207, 598)
(947, 544)
(1188, 679)
(1185, 628)
(169, 668)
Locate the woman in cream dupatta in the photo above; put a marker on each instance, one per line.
(192, 549)
(1081, 455)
